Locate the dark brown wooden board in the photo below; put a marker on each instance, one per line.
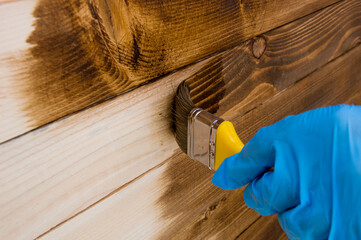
(206, 211)
(277, 59)
(292, 74)
(84, 51)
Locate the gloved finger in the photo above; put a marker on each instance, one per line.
(305, 222)
(269, 195)
(278, 190)
(256, 157)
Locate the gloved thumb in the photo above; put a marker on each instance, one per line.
(256, 157)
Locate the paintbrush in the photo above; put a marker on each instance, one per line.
(201, 135)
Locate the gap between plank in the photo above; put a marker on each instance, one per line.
(105, 197)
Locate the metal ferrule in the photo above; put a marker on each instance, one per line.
(202, 130)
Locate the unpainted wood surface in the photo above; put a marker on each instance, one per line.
(60, 56)
(72, 172)
(188, 206)
(56, 171)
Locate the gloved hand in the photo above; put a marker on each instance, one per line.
(315, 187)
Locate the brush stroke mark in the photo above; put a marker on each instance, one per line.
(85, 51)
(226, 75)
(69, 62)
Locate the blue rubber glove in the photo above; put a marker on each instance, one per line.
(315, 187)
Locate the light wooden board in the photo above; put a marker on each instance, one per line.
(14, 15)
(137, 211)
(60, 56)
(188, 206)
(51, 175)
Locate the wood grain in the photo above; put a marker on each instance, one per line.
(127, 215)
(288, 54)
(56, 171)
(61, 56)
(269, 226)
(50, 175)
(189, 206)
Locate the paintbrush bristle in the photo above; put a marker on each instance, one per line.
(182, 106)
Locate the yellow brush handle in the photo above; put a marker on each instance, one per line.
(227, 143)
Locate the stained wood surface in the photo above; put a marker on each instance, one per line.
(269, 231)
(58, 57)
(275, 60)
(188, 206)
(74, 177)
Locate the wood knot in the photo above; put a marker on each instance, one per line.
(258, 47)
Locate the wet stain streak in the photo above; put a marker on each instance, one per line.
(84, 51)
(226, 76)
(69, 61)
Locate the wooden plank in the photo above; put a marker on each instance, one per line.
(54, 161)
(58, 57)
(188, 206)
(287, 54)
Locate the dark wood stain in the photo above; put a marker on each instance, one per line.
(225, 73)
(64, 65)
(213, 86)
(136, 52)
(269, 226)
(296, 72)
(335, 83)
(203, 209)
(85, 51)
(278, 58)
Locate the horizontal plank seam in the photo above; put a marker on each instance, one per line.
(164, 162)
(105, 197)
